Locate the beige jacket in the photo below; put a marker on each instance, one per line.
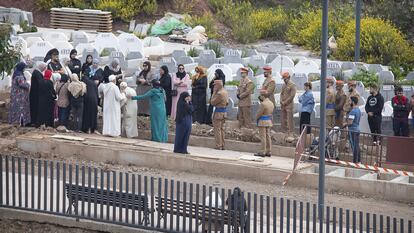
(270, 86)
(245, 91)
(287, 95)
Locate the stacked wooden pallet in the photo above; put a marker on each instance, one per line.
(73, 18)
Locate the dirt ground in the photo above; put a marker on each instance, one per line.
(353, 201)
(17, 226)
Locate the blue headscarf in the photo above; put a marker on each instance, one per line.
(18, 70)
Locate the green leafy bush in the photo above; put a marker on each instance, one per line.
(270, 23)
(215, 46)
(47, 4)
(307, 29)
(244, 32)
(366, 77)
(206, 20)
(26, 28)
(9, 55)
(193, 52)
(381, 43)
(233, 83)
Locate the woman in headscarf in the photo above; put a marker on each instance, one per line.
(184, 121)
(159, 126)
(180, 83)
(87, 64)
(77, 90)
(90, 106)
(19, 97)
(63, 101)
(199, 95)
(94, 72)
(37, 77)
(218, 75)
(74, 63)
(144, 79)
(113, 69)
(165, 80)
(47, 96)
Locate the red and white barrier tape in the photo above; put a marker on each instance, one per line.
(365, 166)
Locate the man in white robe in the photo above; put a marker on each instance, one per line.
(112, 108)
(129, 112)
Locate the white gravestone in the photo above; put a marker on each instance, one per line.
(257, 61)
(131, 46)
(153, 46)
(79, 37)
(348, 65)
(333, 68)
(87, 49)
(32, 39)
(375, 68)
(410, 76)
(178, 53)
(207, 58)
(271, 57)
(55, 36)
(19, 42)
(385, 77)
(170, 62)
(63, 47)
(232, 56)
(121, 58)
(299, 79)
(185, 60)
(281, 62)
(106, 40)
(307, 67)
(225, 68)
(40, 48)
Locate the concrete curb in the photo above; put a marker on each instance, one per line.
(27, 216)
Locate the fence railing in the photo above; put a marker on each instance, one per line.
(338, 145)
(123, 198)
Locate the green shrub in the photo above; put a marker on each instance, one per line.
(254, 68)
(215, 46)
(244, 32)
(366, 77)
(233, 83)
(381, 43)
(9, 55)
(307, 29)
(47, 4)
(193, 52)
(26, 28)
(270, 23)
(206, 20)
(218, 5)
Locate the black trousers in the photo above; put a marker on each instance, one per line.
(304, 120)
(375, 126)
(400, 126)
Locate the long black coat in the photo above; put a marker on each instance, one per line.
(165, 81)
(199, 95)
(47, 96)
(37, 77)
(90, 106)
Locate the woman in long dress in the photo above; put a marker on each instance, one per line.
(184, 121)
(47, 96)
(90, 106)
(159, 126)
(77, 90)
(165, 80)
(143, 86)
(19, 97)
(180, 83)
(37, 78)
(199, 95)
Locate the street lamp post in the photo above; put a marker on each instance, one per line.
(322, 132)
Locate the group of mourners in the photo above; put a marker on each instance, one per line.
(55, 92)
(342, 110)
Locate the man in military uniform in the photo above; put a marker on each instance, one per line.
(330, 103)
(352, 92)
(286, 102)
(264, 123)
(340, 99)
(244, 92)
(269, 85)
(219, 100)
